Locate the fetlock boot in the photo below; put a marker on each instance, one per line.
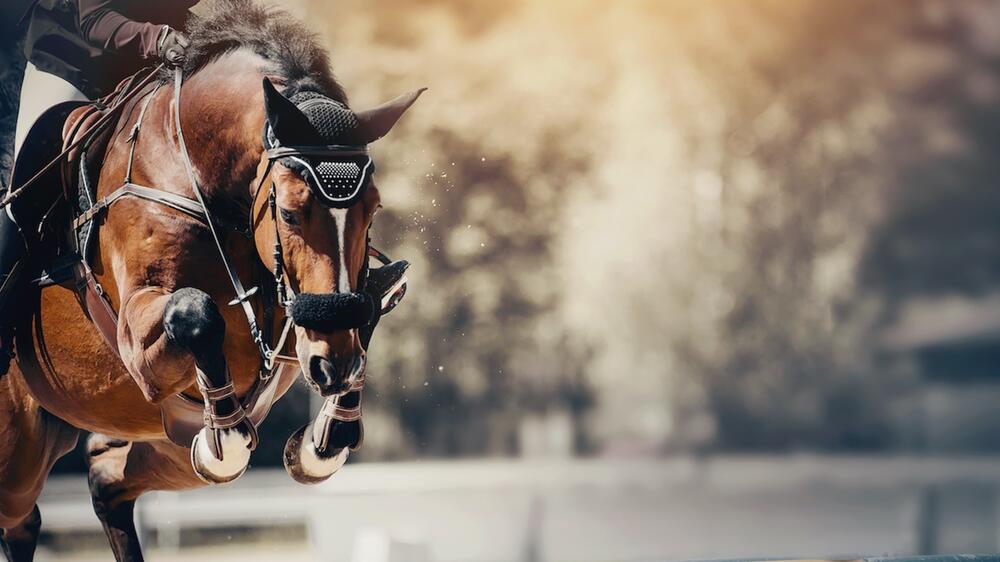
(12, 254)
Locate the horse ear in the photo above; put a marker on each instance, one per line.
(373, 124)
(290, 126)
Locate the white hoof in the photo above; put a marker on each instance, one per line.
(305, 465)
(235, 456)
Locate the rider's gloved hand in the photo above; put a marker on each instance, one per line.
(172, 46)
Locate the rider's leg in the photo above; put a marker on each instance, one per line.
(12, 65)
(12, 253)
(39, 92)
(11, 246)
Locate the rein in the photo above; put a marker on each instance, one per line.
(242, 295)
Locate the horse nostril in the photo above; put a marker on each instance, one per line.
(322, 372)
(332, 377)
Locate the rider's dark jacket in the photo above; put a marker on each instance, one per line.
(93, 44)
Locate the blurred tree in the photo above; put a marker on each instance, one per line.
(679, 224)
(940, 235)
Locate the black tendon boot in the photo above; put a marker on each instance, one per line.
(12, 253)
(385, 284)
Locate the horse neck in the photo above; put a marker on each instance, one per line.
(222, 115)
(222, 112)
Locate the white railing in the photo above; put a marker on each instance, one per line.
(593, 509)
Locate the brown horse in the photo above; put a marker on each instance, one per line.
(254, 155)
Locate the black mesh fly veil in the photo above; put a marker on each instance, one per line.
(338, 172)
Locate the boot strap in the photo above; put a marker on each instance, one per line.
(331, 409)
(214, 421)
(221, 393)
(213, 396)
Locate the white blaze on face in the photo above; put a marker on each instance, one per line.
(343, 279)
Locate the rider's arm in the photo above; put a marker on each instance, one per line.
(105, 28)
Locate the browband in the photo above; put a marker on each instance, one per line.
(336, 174)
(316, 151)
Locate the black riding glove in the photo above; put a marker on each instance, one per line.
(172, 46)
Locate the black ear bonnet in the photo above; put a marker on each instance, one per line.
(320, 143)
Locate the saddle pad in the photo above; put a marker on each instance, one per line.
(82, 164)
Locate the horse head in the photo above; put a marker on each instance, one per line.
(322, 199)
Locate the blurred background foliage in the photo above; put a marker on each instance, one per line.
(645, 226)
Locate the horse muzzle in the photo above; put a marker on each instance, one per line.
(332, 312)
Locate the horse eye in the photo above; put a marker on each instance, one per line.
(288, 217)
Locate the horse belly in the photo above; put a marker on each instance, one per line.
(78, 378)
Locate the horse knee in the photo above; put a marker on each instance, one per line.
(192, 321)
(158, 366)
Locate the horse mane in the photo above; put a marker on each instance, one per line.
(274, 34)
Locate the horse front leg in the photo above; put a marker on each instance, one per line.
(317, 450)
(161, 335)
(220, 452)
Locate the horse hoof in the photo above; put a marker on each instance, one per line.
(307, 466)
(235, 457)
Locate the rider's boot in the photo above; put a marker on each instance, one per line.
(12, 254)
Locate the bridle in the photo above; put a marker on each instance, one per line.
(336, 194)
(326, 185)
(337, 198)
